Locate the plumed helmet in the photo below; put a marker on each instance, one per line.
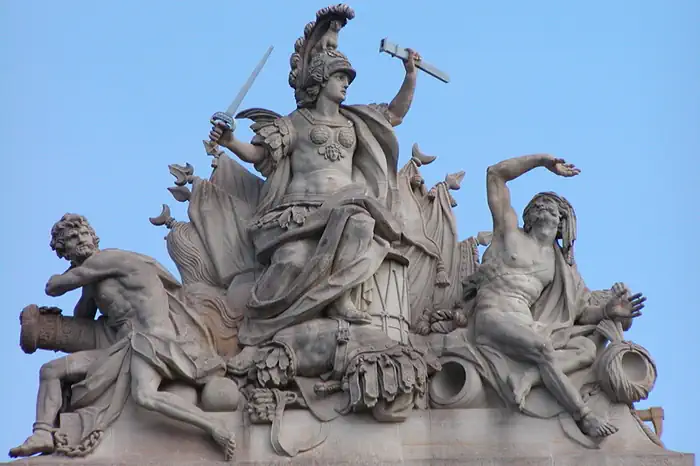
(316, 56)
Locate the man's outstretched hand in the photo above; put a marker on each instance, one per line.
(561, 168)
(624, 305)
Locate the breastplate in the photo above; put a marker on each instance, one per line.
(333, 140)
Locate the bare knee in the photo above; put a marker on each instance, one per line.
(293, 255)
(143, 396)
(360, 228)
(543, 352)
(53, 370)
(362, 222)
(144, 384)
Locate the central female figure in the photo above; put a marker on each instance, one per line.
(326, 217)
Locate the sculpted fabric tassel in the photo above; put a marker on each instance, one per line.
(441, 279)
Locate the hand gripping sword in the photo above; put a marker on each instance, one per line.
(227, 116)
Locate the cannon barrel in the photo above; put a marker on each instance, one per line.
(53, 331)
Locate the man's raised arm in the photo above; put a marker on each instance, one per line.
(498, 194)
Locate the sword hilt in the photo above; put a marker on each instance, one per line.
(224, 118)
(213, 147)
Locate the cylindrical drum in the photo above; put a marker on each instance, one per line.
(385, 298)
(53, 331)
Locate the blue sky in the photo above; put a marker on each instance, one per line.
(99, 97)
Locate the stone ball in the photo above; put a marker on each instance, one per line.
(220, 395)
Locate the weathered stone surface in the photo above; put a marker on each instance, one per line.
(471, 437)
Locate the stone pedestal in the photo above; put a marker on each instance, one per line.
(453, 436)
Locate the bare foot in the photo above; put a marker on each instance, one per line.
(594, 426)
(521, 386)
(344, 309)
(41, 441)
(227, 440)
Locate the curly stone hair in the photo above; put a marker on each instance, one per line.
(68, 222)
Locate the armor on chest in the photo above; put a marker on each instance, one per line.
(333, 140)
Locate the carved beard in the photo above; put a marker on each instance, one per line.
(543, 221)
(543, 217)
(81, 252)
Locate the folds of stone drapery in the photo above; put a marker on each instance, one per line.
(220, 267)
(220, 210)
(347, 240)
(189, 356)
(422, 267)
(458, 256)
(430, 225)
(212, 251)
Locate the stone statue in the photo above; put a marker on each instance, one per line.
(330, 305)
(517, 266)
(152, 341)
(326, 219)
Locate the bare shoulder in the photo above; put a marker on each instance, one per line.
(109, 258)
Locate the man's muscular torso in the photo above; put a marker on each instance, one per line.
(321, 158)
(516, 269)
(134, 293)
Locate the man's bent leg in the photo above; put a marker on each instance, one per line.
(69, 368)
(578, 354)
(145, 381)
(566, 393)
(521, 342)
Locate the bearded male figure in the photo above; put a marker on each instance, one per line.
(154, 340)
(326, 216)
(530, 304)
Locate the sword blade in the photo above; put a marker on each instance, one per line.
(246, 87)
(396, 50)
